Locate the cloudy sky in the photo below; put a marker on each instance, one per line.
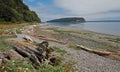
(89, 9)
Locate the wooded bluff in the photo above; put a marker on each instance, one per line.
(15, 11)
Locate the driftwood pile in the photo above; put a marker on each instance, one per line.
(37, 54)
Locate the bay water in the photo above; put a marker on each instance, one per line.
(112, 28)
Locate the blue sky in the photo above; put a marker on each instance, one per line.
(89, 9)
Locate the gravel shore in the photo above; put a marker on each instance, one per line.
(89, 62)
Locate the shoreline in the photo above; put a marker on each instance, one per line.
(60, 33)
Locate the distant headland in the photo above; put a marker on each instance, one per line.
(71, 20)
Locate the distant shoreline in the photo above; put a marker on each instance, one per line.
(105, 21)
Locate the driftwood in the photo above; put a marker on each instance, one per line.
(50, 39)
(12, 54)
(3, 55)
(27, 38)
(101, 52)
(37, 55)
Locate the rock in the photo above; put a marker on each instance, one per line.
(14, 55)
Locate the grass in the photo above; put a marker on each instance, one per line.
(8, 27)
(49, 68)
(72, 45)
(71, 31)
(16, 66)
(26, 66)
(5, 37)
(69, 66)
(58, 61)
(4, 46)
(64, 31)
(115, 40)
(57, 49)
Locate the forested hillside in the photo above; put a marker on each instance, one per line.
(16, 11)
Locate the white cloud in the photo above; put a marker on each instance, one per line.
(46, 12)
(89, 9)
(88, 6)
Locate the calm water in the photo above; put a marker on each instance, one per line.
(112, 28)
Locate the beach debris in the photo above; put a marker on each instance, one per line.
(27, 38)
(14, 32)
(12, 54)
(3, 55)
(41, 54)
(5, 33)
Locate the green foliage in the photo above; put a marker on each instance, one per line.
(15, 11)
(26, 66)
(18, 31)
(73, 46)
(115, 40)
(3, 45)
(58, 61)
(49, 68)
(5, 37)
(59, 50)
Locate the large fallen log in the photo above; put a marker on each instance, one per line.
(12, 54)
(35, 61)
(22, 52)
(3, 55)
(101, 52)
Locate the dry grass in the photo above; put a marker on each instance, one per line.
(7, 27)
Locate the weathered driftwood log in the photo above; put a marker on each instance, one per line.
(27, 38)
(3, 55)
(43, 46)
(34, 56)
(99, 52)
(35, 61)
(109, 54)
(22, 52)
(14, 55)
